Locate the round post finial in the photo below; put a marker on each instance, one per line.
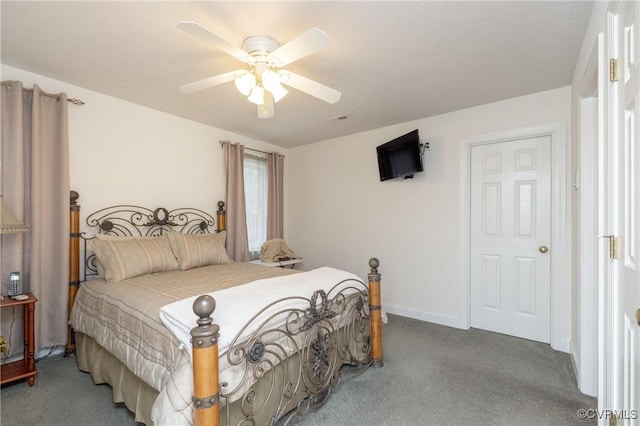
(74, 197)
(374, 275)
(205, 334)
(203, 307)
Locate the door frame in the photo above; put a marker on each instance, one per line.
(560, 224)
(591, 127)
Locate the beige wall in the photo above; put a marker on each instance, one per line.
(124, 153)
(343, 214)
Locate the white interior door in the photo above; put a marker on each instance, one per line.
(510, 271)
(625, 226)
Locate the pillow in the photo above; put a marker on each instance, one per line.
(127, 258)
(99, 266)
(194, 250)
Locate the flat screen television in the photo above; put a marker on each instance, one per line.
(400, 157)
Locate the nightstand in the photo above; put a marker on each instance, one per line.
(291, 263)
(26, 367)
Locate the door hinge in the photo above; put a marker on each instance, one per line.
(613, 420)
(614, 246)
(614, 75)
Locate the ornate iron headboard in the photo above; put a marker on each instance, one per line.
(128, 220)
(135, 221)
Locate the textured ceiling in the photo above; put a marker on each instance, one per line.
(393, 61)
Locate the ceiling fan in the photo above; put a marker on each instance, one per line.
(262, 81)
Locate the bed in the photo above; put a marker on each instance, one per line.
(183, 335)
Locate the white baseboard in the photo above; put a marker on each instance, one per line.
(575, 361)
(586, 386)
(448, 321)
(423, 316)
(563, 346)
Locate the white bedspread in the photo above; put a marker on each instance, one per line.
(235, 306)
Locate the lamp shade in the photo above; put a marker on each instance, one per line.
(271, 82)
(245, 83)
(9, 223)
(257, 95)
(278, 92)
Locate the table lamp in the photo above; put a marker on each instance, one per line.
(9, 224)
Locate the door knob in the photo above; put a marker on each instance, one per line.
(638, 316)
(543, 249)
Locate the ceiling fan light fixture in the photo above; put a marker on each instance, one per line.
(257, 95)
(245, 83)
(270, 79)
(271, 82)
(278, 92)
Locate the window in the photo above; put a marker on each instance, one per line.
(255, 193)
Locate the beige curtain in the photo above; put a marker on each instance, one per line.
(237, 240)
(35, 184)
(275, 170)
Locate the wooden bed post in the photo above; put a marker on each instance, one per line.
(206, 386)
(375, 308)
(221, 217)
(74, 264)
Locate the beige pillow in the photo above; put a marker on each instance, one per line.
(127, 258)
(194, 250)
(99, 266)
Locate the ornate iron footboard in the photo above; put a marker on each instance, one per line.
(293, 357)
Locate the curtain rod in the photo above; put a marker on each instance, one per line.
(248, 149)
(74, 101)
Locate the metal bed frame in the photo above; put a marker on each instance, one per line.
(292, 360)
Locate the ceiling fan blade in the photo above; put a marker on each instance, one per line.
(305, 44)
(310, 87)
(206, 83)
(200, 32)
(266, 110)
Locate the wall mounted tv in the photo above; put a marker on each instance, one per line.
(400, 157)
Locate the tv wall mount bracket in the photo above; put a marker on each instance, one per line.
(424, 146)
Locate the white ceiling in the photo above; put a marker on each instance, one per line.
(393, 61)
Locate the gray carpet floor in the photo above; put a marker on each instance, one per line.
(433, 375)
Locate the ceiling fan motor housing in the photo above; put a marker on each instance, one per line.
(259, 45)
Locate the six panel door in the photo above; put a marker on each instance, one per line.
(510, 237)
